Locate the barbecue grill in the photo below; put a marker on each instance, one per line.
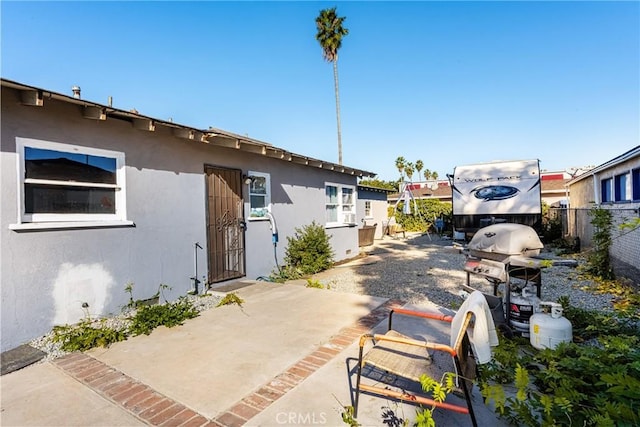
(503, 252)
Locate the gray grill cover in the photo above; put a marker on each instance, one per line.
(507, 239)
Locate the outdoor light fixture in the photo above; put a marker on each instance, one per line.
(248, 179)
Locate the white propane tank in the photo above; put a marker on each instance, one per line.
(548, 330)
(522, 307)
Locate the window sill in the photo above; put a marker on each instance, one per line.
(43, 226)
(340, 225)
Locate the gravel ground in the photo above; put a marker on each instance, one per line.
(417, 270)
(423, 271)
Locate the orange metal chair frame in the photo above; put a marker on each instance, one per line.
(455, 353)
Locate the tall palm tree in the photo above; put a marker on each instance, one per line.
(419, 166)
(408, 169)
(329, 35)
(400, 162)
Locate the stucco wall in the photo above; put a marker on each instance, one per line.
(47, 275)
(581, 199)
(625, 245)
(379, 206)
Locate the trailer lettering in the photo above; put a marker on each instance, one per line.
(497, 178)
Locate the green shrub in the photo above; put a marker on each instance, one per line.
(285, 273)
(428, 211)
(314, 284)
(599, 262)
(229, 299)
(593, 381)
(85, 335)
(149, 317)
(308, 251)
(551, 224)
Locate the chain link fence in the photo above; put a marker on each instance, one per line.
(625, 241)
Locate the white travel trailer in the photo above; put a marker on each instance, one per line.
(489, 193)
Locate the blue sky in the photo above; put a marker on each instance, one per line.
(450, 83)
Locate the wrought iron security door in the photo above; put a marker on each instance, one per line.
(225, 224)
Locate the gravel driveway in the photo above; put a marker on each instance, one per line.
(426, 271)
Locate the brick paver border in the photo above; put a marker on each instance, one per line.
(256, 402)
(133, 396)
(155, 409)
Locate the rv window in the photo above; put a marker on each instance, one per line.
(61, 182)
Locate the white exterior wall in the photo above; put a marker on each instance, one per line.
(298, 199)
(46, 275)
(379, 212)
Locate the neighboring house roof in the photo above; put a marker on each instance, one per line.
(443, 192)
(634, 152)
(35, 96)
(553, 185)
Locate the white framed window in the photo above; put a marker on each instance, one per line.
(69, 183)
(259, 194)
(622, 187)
(340, 205)
(606, 190)
(367, 209)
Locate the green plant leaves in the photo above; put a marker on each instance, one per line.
(308, 252)
(85, 335)
(590, 384)
(147, 318)
(230, 298)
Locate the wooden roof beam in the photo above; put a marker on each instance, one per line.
(94, 113)
(33, 98)
(184, 133)
(144, 124)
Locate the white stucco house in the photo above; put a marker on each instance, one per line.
(371, 209)
(95, 197)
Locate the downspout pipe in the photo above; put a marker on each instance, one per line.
(274, 236)
(596, 193)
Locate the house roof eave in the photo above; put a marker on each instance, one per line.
(634, 152)
(213, 136)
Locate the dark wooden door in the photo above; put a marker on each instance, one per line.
(225, 224)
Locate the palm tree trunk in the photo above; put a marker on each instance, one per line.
(335, 81)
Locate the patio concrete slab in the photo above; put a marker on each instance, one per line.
(285, 357)
(320, 399)
(42, 395)
(218, 358)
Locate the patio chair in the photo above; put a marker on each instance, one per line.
(399, 356)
